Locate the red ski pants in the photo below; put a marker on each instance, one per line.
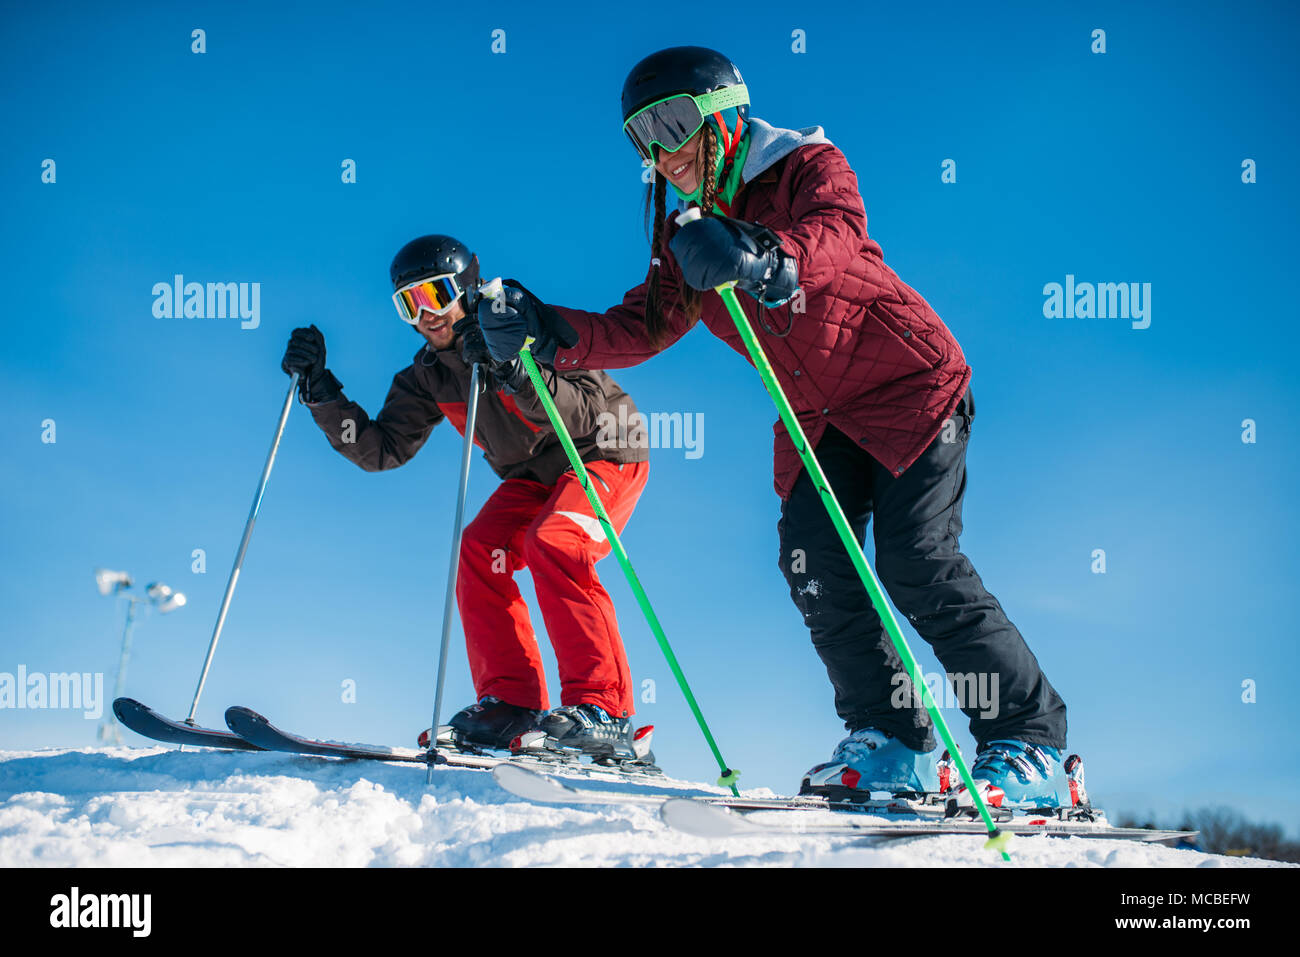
(553, 531)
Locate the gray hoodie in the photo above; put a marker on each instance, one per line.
(768, 143)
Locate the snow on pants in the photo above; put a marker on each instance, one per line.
(553, 531)
(917, 522)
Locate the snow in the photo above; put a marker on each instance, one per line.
(126, 807)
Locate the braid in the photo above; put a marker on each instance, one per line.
(709, 192)
(656, 203)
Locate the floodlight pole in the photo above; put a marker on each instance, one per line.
(109, 731)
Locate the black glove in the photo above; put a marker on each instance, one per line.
(511, 376)
(472, 347)
(305, 355)
(717, 249)
(509, 319)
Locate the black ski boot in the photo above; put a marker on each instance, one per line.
(590, 730)
(492, 723)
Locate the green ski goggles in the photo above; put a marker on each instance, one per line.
(670, 122)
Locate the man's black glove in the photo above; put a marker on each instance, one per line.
(473, 349)
(712, 250)
(305, 355)
(509, 319)
(511, 376)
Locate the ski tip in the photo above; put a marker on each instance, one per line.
(703, 820)
(237, 714)
(530, 785)
(125, 706)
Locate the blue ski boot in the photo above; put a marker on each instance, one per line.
(1011, 774)
(871, 760)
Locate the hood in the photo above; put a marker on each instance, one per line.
(768, 144)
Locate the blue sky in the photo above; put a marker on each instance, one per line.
(225, 166)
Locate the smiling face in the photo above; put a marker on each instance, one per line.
(437, 330)
(683, 168)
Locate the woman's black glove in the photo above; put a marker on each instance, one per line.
(305, 355)
(509, 319)
(712, 250)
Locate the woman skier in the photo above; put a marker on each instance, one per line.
(539, 516)
(881, 388)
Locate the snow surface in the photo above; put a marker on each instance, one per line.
(123, 807)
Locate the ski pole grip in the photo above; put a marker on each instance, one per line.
(690, 216)
(490, 289)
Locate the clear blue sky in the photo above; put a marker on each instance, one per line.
(225, 166)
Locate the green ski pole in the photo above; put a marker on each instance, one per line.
(997, 839)
(728, 779)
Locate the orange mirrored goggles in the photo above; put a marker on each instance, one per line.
(437, 295)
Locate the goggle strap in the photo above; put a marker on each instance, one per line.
(723, 99)
(449, 276)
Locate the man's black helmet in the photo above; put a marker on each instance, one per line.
(692, 70)
(435, 255)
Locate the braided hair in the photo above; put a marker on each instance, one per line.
(656, 214)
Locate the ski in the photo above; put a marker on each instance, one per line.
(724, 815)
(257, 730)
(545, 789)
(705, 819)
(145, 721)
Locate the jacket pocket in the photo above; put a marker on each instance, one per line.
(910, 334)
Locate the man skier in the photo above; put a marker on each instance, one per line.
(539, 516)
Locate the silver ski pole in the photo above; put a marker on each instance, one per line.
(449, 605)
(243, 545)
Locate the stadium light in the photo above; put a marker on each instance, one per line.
(111, 581)
(164, 598)
(156, 595)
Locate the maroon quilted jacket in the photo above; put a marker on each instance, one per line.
(868, 356)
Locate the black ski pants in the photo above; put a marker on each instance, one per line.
(917, 523)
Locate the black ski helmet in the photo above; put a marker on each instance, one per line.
(692, 70)
(437, 255)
